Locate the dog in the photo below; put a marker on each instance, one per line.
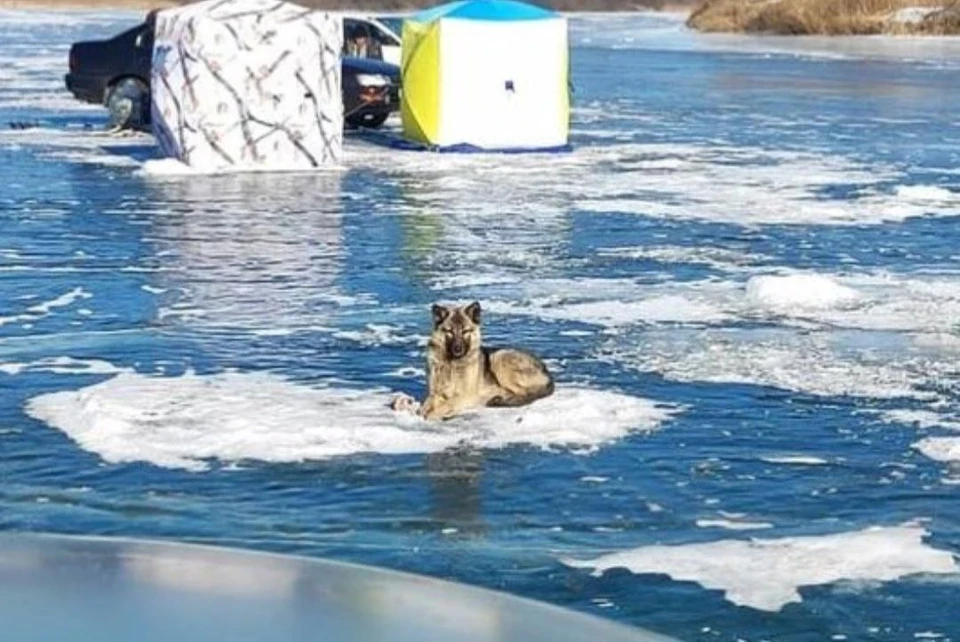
(463, 375)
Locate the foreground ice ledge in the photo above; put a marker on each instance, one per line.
(766, 574)
(66, 588)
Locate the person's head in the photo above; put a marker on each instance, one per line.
(359, 35)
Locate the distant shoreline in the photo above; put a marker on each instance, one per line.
(828, 17)
(360, 6)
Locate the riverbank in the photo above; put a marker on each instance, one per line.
(828, 17)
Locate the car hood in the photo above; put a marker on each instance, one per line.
(370, 66)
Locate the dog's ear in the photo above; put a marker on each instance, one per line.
(473, 311)
(440, 314)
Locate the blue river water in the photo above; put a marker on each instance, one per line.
(746, 278)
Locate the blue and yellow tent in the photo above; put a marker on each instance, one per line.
(486, 74)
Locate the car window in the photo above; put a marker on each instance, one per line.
(383, 37)
(392, 23)
(129, 34)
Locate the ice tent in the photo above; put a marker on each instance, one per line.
(247, 83)
(487, 74)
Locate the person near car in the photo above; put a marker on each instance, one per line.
(361, 45)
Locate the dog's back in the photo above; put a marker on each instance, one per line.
(521, 377)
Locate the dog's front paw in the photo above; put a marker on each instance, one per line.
(404, 403)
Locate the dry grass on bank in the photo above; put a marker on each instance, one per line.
(829, 17)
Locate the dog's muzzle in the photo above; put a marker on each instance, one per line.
(457, 348)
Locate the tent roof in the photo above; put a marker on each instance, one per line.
(504, 10)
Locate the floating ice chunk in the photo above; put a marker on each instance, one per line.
(167, 167)
(808, 291)
(181, 422)
(160, 167)
(594, 479)
(926, 193)
(714, 257)
(797, 460)
(63, 365)
(732, 525)
(803, 363)
(667, 308)
(766, 574)
(920, 419)
(945, 449)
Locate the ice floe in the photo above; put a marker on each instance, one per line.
(767, 574)
(945, 449)
(183, 422)
(62, 365)
(732, 524)
(808, 291)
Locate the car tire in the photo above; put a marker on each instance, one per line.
(127, 103)
(370, 121)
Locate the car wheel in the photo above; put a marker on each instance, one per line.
(127, 104)
(371, 121)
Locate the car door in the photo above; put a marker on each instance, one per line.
(143, 51)
(389, 45)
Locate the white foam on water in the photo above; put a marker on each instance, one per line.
(939, 341)
(171, 167)
(95, 157)
(63, 300)
(732, 525)
(715, 257)
(181, 422)
(167, 167)
(613, 313)
(455, 281)
(919, 303)
(945, 449)
(807, 363)
(594, 479)
(927, 305)
(766, 574)
(920, 418)
(796, 460)
(799, 291)
(713, 182)
(374, 334)
(96, 147)
(408, 372)
(63, 365)
(43, 309)
(618, 302)
(875, 335)
(755, 188)
(928, 193)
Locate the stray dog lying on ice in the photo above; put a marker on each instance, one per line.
(463, 375)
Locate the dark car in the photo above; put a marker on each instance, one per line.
(116, 73)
